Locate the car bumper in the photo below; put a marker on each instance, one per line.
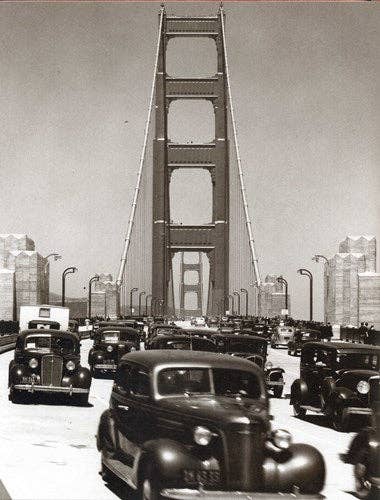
(50, 388)
(108, 367)
(357, 410)
(273, 383)
(189, 494)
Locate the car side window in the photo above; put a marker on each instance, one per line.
(138, 383)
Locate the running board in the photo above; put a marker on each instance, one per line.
(312, 408)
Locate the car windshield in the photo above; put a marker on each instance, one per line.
(217, 381)
(117, 335)
(357, 360)
(47, 343)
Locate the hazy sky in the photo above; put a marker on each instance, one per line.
(304, 80)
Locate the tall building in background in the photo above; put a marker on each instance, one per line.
(24, 276)
(104, 297)
(352, 284)
(272, 297)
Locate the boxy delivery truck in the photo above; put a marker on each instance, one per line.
(44, 316)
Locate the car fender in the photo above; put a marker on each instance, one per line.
(365, 440)
(274, 373)
(168, 457)
(90, 356)
(106, 437)
(299, 391)
(342, 395)
(83, 377)
(16, 372)
(301, 465)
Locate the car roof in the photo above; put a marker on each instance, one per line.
(239, 336)
(155, 358)
(342, 346)
(57, 333)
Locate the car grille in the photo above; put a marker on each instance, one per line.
(51, 370)
(207, 478)
(244, 456)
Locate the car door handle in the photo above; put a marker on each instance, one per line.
(124, 407)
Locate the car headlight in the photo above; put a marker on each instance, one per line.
(70, 365)
(363, 387)
(109, 348)
(268, 365)
(202, 435)
(33, 363)
(282, 439)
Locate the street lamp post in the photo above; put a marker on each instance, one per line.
(68, 270)
(134, 289)
(283, 281)
(147, 297)
(140, 295)
(235, 292)
(232, 303)
(94, 278)
(318, 258)
(245, 291)
(306, 272)
(56, 256)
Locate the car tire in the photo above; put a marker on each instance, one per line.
(338, 422)
(16, 397)
(81, 399)
(148, 488)
(361, 474)
(277, 391)
(298, 411)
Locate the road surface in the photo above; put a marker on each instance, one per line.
(48, 451)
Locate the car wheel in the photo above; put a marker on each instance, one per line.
(81, 399)
(16, 397)
(298, 411)
(277, 391)
(339, 423)
(362, 476)
(149, 489)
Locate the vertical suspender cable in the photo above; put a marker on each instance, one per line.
(242, 186)
(137, 188)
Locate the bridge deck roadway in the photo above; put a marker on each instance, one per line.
(48, 451)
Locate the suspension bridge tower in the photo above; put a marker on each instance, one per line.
(170, 238)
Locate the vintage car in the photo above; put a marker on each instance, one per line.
(163, 329)
(364, 450)
(299, 338)
(281, 336)
(48, 361)
(334, 381)
(183, 341)
(110, 344)
(254, 349)
(188, 425)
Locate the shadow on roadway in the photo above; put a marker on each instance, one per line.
(52, 400)
(121, 490)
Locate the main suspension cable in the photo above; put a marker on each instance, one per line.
(127, 239)
(242, 186)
